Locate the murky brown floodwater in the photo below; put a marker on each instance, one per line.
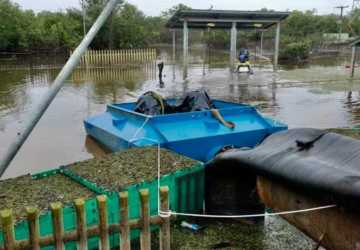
(59, 138)
(289, 95)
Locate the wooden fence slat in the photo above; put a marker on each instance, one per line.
(90, 57)
(103, 222)
(106, 55)
(124, 224)
(8, 229)
(81, 223)
(34, 230)
(58, 224)
(82, 232)
(165, 227)
(145, 235)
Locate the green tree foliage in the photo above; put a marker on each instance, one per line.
(296, 51)
(57, 30)
(12, 26)
(23, 30)
(308, 25)
(304, 30)
(170, 12)
(128, 27)
(352, 22)
(131, 29)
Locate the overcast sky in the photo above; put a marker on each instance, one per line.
(154, 7)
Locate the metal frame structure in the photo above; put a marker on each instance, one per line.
(226, 19)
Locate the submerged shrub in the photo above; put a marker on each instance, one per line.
(296, 51)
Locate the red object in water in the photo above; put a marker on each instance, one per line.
(349, 66)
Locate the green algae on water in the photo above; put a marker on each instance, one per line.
(24, 191)
(116, 171)
(112, 172)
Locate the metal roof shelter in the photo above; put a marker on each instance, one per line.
(354, 44)
(226, 19)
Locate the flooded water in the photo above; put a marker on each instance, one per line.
(300, 97)
(314, 95)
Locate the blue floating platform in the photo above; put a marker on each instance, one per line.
(194, 134)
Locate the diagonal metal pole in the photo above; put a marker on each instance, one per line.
(56, 86)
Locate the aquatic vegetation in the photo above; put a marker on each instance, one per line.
(112, 172)
(23, 191)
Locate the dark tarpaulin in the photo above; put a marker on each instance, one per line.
(152, 103)
(312, 161)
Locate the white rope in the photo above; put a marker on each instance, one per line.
(170, 213)
(139, 129)
(133, 139)
(167, 214)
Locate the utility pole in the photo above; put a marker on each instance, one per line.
(342, 7)
(355, 5)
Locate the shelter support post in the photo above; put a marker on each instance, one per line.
(64, 74)
(173, 46)
(233, 45)
(353, 60)
(185, 43)
(277, 45)
(261, 43)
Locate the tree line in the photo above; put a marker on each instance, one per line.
(128, 27)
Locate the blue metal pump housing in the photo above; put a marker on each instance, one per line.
(197, 135)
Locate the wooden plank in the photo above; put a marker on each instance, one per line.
(145, 235)
(33, 223)
(165, 227)
(7, 224)
(124, 224)
(81, 224)
(103, 224)
(58, 226)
